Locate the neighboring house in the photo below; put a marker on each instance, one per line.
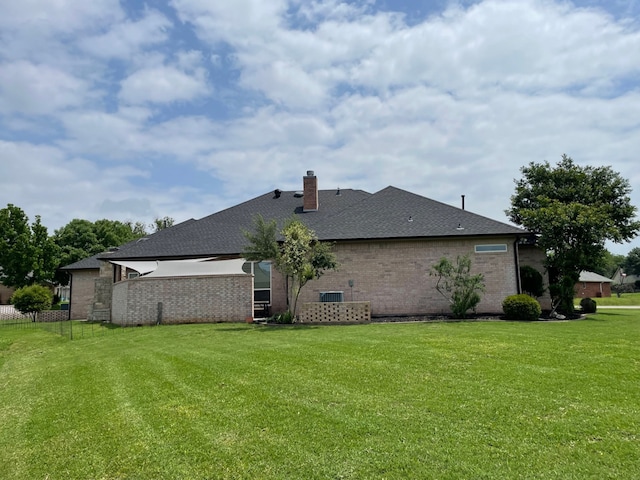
(82, 285)
(385, 243)
(592, 285)
(621, 278)
(5, 294)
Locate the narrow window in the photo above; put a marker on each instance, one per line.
(498, 248)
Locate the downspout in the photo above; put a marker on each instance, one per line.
(516, 258)
(70, 295)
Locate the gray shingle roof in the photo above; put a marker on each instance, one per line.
(586, 276)
(90, 263)
(350, 215)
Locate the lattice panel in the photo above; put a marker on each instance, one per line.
(335, 312)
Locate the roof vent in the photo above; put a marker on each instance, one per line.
(298, 194)
(277, 193)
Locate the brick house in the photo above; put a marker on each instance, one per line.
(385, 243)
(82, 285)
(592, 285)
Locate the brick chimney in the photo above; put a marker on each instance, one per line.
(310, 183)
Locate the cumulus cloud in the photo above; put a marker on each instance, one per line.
(127, 37)
(36, 89)
(445, 102)
(162, 84)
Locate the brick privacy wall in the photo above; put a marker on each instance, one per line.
(534, 257)
(83, 284)
(220, 298)
(53, 316)
(394, 275)
(593, 289)
(333, 312)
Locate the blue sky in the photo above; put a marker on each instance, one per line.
(133, 110)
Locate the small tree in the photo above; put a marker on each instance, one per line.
(300, 257)
(457, 285)
(32, 300)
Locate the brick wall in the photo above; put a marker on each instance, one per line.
(219, 298)
(593, 289)
(332, 312)
(394, 275)
(534, 257)
(83, 285)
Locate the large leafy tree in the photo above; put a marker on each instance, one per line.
(300, 257)
(27, 254)
(632, 262)
(574, 210)
(81, 239)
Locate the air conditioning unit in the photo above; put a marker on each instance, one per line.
(332, 296)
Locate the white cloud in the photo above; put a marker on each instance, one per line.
(223, 21)
(127, 37)
(447, 104)
(31, 89)
(163, 84)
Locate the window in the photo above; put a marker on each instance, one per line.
(498, 248)
(261, 280)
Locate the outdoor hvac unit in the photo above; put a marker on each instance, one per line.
(332, 296)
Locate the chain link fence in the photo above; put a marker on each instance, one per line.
(56, 321)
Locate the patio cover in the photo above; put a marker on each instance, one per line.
(188, 268)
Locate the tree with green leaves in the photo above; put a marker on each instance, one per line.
(631, 264)
(457, 284)
(81, 239)
(27, 254)
(300, 257)
(608, 264)
(32, 300)
(573, 210)
(162, 223)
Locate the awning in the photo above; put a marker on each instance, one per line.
(188, 268)
(141, 267)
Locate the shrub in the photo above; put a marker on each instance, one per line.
(457, 285)
(588, 305)
(619, 288)
(532, 281)
(286, 317)
(521, 307)
(31, 300)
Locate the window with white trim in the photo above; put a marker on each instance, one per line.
(491, 248)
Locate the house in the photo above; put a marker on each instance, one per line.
(82, 276)
(385, 243)
(621, 278)
(592, 285)
(5, 294)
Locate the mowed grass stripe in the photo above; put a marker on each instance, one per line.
(462, 400)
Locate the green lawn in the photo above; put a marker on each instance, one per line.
(625, 299)
(475, 400)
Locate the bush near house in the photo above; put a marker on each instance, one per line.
(521, 307)
(588, 305)
(31, 300)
